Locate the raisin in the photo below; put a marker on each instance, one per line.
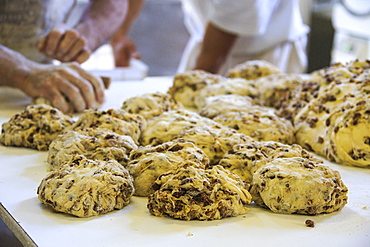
(310, 223)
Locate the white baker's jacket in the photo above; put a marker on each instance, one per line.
(260, 24)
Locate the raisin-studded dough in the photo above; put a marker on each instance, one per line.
(228, 86)
(186, 85)
(35, 127)
(218, 104)
(335, 122)
(349, 135)
(116, 120)
(93, 143)
(289, 108)
(245, 159)
(260, 123)
(148, 162)
(151, 104)
(299, 186)
(357, 70)
(164, 127)
(191, 193)
(214, 142)
(276, 89)
(253, 69)
(317, 81)
(313, 122)
(87, 188)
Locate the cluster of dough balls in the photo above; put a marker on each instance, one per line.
(209, 146)
(236, 102)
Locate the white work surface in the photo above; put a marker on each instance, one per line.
(21, 171)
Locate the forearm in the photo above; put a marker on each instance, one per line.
(101, 20)
(14, 68)
(215, 48)
(134, 8)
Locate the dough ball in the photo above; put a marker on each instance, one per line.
(191, 193)
(35, 127)
(167, 125)
(253, 69)
(349, 135)
(260, 123)
(87, 188)
(116, 120)
(150, 105)
(100, 144)
(148, 162)
(186, 85)
(245, 159)
(312, 121)
(299, 186)
(228, 86)
(289, 108)
(214, 142)
(276, 89)
(216, 105)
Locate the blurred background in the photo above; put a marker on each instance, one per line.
(339, 32)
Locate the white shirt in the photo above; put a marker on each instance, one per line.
(260, 24)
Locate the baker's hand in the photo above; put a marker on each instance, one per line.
(124, 50)
(65, 45)
(64, 85)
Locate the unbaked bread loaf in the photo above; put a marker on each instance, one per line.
(167, 125)
(258, 122)
(86, 188)
(214, 142)
(213, 106)
(149, 162)
(35, 127)
(187, 85)
(151, 104)
(116, 120)
(191, 193)
(93, 143)
(228, 86)
(253, 69)
(299, 186)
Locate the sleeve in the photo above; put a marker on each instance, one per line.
(242, 17)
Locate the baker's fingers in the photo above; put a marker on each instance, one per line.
(56, 98)
(67, 41)
(96, 82)
(41, 44)
(89, 86)
(74, 50)
(83, 56)
(72, 90)
(52, 40)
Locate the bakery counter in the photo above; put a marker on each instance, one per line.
(35, 224)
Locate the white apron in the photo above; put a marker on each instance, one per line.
(270, 30)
